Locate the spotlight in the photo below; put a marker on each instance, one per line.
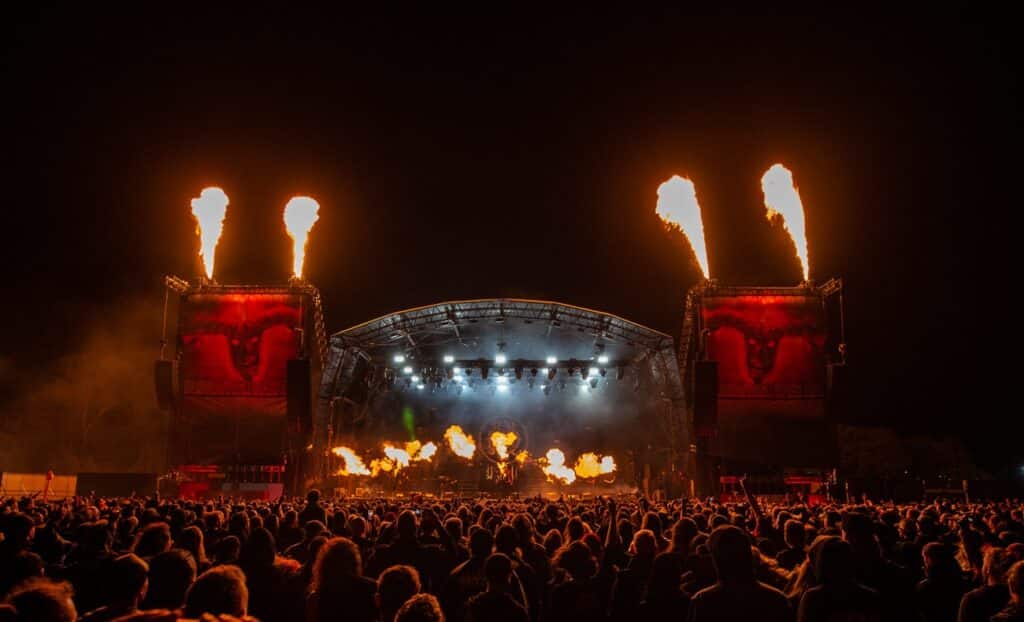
(502, 388)
(399, 358)
(592, 371)
(448, 358)
(415, 379)
(407, 370)
(603, 359)
(419, 387)
(500, 359)
(552, 360)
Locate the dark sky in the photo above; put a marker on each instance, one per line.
(472, 155)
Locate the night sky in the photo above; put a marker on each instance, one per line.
(474, 155)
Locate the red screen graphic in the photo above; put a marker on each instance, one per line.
(770, 352)
(238, 344)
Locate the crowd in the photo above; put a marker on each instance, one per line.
(522, 560)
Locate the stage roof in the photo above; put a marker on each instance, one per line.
(522, 330)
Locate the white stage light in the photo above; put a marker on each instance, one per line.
(544, 370)
(420, 387)
(501, 380)
(502, 388)
(603, 359)
(399, 358)
(592, 371)
(552, 360)
(407, 370)
(500, 359)
(448, 358)
(415, 378)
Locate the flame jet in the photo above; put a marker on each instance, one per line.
(678, 207)
(782, 199)
(209, 209)
(300, 214)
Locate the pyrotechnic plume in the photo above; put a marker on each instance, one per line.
(209, 208)
(502, 441)
(553, 465)
(426, 452)
(460, 444)
(588, 465)
(300, 214)
(353, 463)
(677, 206)
(782, 197)
(399, 457)
(381, 465)
(522, 457)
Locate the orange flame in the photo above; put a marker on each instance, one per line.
(781, 197)
(677, 206)
(300, 214)
(426, 452)
(553, 465)
(399, 457)
(353, 463)
(501, 441)
(588, 465)
(522, 457)
(378, 465)
(461, 444)
(209, 208)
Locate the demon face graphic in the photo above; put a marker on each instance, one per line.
(765, 341)
(238, 343)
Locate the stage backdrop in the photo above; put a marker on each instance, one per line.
(234, 351)
(770, 351)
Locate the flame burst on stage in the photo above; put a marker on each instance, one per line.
(460, 443)
(553, 465)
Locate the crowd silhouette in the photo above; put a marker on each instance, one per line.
(416, 559)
